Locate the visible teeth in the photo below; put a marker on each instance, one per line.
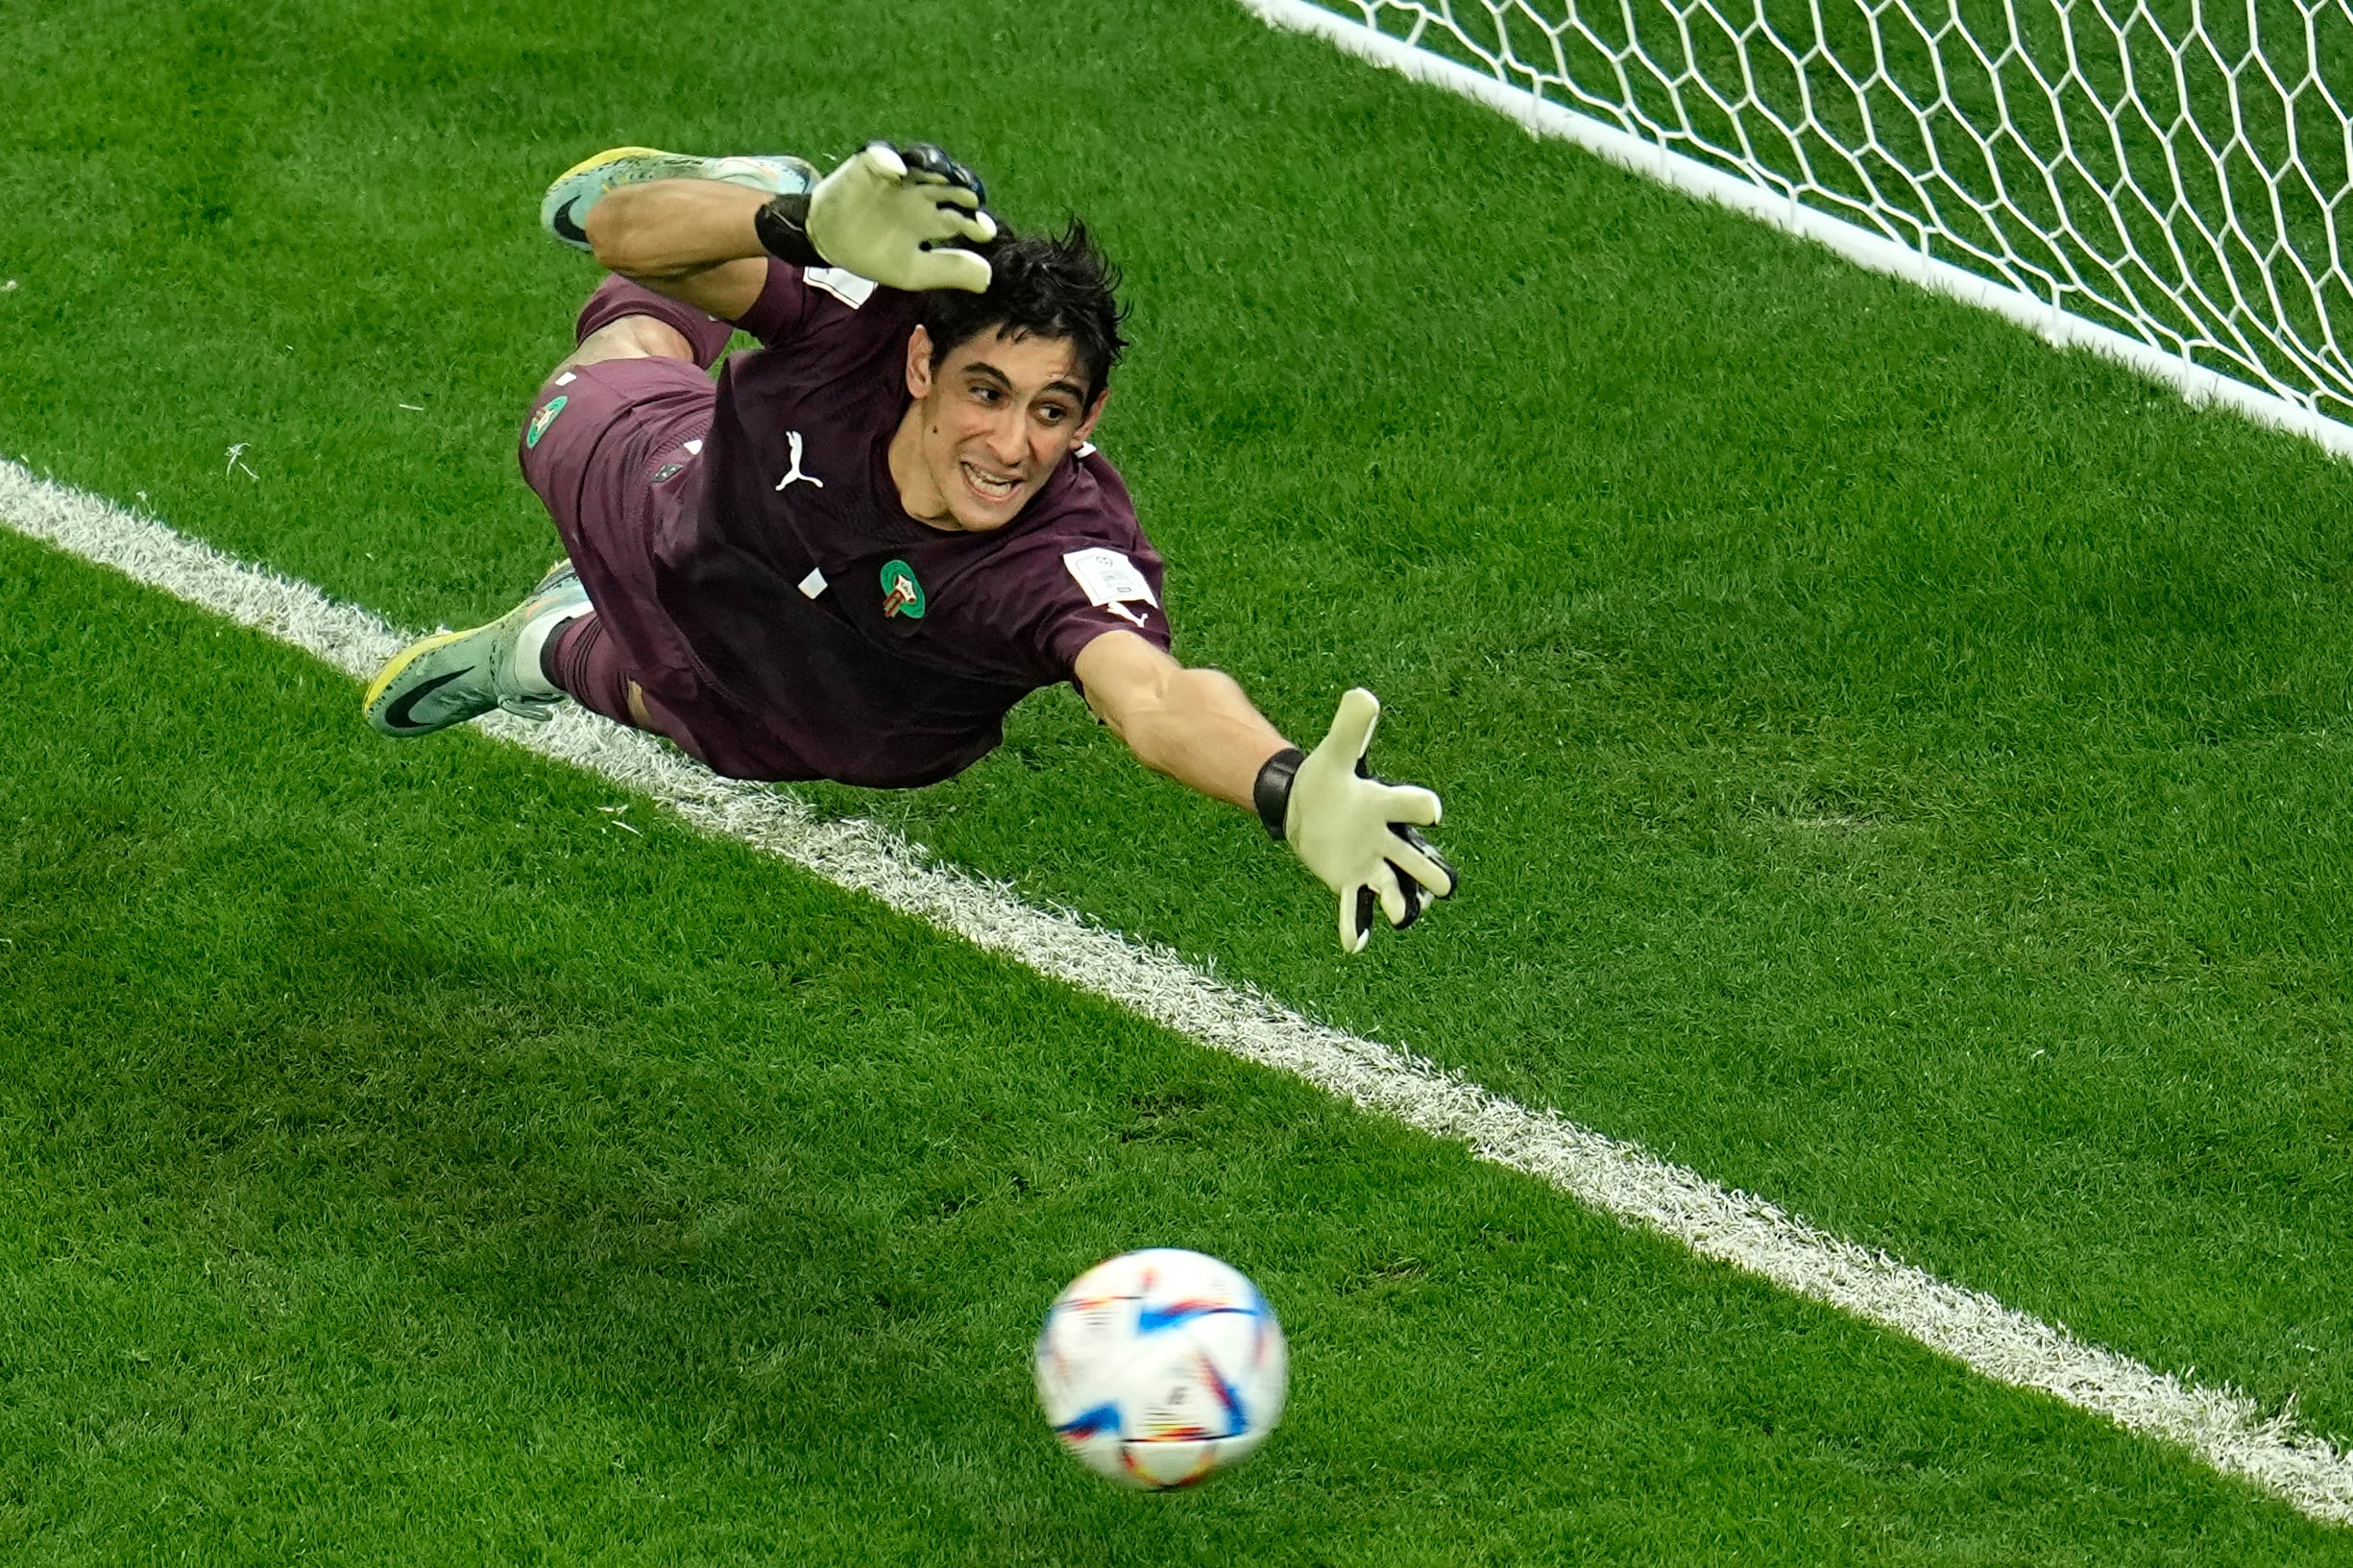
(989, 483)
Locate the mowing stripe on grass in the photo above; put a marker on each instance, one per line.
(2224, 1428)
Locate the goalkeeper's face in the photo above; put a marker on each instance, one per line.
(991, 423)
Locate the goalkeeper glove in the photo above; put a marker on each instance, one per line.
(896, 216)
(1353, 831)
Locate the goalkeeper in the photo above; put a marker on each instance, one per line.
(854, 553)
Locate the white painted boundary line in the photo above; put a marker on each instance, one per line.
(1542, 117)
(2224, 1428)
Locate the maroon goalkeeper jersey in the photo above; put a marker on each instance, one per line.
(855, 643)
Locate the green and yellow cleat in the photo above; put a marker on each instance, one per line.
(564, 210)
(452, 677)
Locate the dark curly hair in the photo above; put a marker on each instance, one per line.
(1041, 285)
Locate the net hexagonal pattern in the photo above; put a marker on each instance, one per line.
(2179, 172)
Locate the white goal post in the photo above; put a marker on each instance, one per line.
(2167, 181)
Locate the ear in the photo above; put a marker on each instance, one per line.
(919, 363)
(1086, 426)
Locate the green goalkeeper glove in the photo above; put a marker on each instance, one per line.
(1353, 831)
(899, 216)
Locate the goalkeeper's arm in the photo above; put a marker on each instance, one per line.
(900, 216)
(1354, 832)
(692, 239)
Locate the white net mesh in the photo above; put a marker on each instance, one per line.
(2176, 172)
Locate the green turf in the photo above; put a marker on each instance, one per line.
(411, 1163)
(2060, 138)
(1895, 768)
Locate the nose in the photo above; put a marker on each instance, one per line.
(1008, 437)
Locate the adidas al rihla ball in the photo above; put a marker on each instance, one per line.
(1161, 1367)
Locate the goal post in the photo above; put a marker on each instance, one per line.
(2170, 184)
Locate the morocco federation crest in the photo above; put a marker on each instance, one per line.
(902, 594)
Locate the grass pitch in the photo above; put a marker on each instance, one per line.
(1895, 769)
(664, 1206)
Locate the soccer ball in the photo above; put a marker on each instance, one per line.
(1158, 1367)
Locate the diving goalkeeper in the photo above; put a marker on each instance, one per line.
(850, 556)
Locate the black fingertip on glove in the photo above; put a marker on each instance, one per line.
(931, 159)
(1407, 831)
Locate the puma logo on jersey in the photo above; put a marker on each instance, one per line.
(792, 440)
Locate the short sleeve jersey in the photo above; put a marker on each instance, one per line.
(855, 643)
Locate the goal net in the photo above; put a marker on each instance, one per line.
(2168, 182)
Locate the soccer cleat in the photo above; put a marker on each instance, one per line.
(564, 210)
(452, 677)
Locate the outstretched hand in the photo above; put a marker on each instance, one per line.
(900, 216)
(1356, 832)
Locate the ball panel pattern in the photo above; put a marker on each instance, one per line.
(1161, 1367)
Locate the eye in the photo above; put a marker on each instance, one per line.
(983, 392)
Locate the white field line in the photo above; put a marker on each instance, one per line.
(2224, 1428)
(2197, 384)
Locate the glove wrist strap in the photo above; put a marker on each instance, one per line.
(1272, 793)
(782, 228)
